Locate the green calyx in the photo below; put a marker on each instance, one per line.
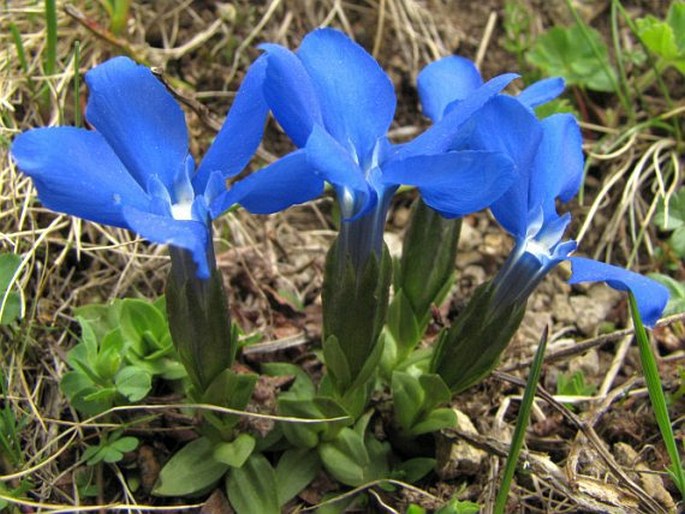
(355, 302)
(472, 346)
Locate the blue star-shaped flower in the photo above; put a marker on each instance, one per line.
(548, 159)
(134, 169)
(336, 104)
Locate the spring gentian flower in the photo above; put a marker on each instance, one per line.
(134, 170)
(336, 104)
(549, 161)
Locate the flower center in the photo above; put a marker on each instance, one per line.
(182, 210)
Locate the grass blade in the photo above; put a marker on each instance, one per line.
(657, 398)
(521, 424)
(51, 38)
(77, 84)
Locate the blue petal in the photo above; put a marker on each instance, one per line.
(442, 135)
(242, 131)
(189, 235)
(288, 181)
(504, 125)
(357, 97)
(651, 296)
(139, 119)
(541, 92)
(335, 165)
(558, 168)
(444, 81)
(454, 183)
(290, 93)
(76, 172)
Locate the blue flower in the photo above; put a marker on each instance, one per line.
(336, 104)
(134, 170)
(548, 159)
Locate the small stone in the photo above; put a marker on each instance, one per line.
(456, 457)
(394, 244)
(465, 259)
(561, 307)
(651, 482)
(593, 309)
(587, 364)
(469, 238)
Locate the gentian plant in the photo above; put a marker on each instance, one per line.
(133, 170)
(548, 158)
(336, 104)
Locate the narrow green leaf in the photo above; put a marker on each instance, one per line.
(521, 425)
(657, 397)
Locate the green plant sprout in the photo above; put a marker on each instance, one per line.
(122, 347)
(578, 54)
(118, 11)
(110, 449)
(574, 384)
(665, 38)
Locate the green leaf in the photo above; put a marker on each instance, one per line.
(109, 450)
(677, 241)
(413, 470)
(236, 452)
(437, 419)
(109, 358)
(408, 397)
(133, 383)
(296, 468)
(673, 217)
(658, 37)
(435, 389)
(456, 506)
(191, 470)
(302, 387)
(125, 444)
(10, 301)
(301, 435)
(345, 458)
(142, 322)
(576, 53)
(336, 362)
(355, 457)
(77, 387)
(657, 397)
(676, 301)
(102, 318)
(676, 19)
(252, 489)
(403, 324)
